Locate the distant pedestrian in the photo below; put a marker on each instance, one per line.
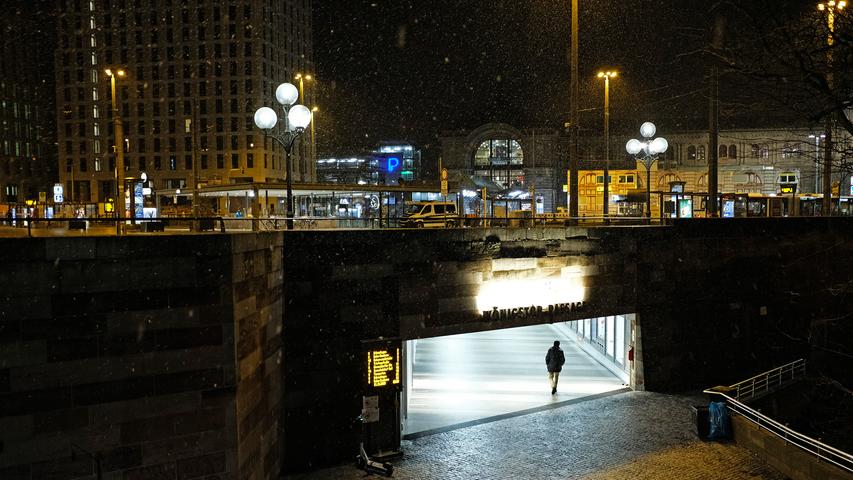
(554, 360)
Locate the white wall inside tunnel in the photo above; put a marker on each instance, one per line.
(456, 379)
(607, 339)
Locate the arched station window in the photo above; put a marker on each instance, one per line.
(501, 161)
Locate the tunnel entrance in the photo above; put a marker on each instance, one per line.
(461, 380)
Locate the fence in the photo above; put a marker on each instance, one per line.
(63, 226)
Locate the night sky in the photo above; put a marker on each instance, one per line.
(411, 70)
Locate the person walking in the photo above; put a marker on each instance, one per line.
(554, 360)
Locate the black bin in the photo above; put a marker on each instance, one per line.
(702, 421)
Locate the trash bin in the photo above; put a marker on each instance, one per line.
(702, 421)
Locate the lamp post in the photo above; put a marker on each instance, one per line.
(817, 138)
(647, 151)
(118, 136)
(303, 77)
(831, 8)
(574, 118)
(296, 118)
(607, 76)
(314, 111)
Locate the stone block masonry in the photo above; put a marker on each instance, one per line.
(159, 355)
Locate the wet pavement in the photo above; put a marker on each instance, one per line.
(628, 435)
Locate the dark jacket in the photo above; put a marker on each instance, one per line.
(555, 359)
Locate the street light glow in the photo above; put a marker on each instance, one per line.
(286, 94)
(299, 117)
(633, 146)
(265, 118)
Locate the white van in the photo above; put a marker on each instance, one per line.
(430, 215)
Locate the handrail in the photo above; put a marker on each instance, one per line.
(760, 384)
(41, 226)
(817, 448)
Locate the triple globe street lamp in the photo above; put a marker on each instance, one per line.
(647, 151)
(296, 119)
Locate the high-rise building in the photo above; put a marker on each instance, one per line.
(27, 123)
(194, 72)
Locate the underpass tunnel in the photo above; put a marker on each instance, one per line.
(466, 379)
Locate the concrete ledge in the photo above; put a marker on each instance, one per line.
(782, 456)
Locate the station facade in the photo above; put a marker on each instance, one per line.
(521, 163)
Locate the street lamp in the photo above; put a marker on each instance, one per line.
(831, 8)
(574, 117)
(607, 76)
(303, 77)
(314, 111)
(296, 118)
(647, 151)
(118, 136)
(817, 138)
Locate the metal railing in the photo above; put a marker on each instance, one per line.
(64, 226)
(101, 225)
(762, 384)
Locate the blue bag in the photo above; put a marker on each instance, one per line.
(721, 427)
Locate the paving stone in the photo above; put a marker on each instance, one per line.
(637, 435)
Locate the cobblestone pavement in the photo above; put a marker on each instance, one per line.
(634, 435)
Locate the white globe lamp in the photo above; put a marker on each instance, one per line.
(648, 130)
(299, 117)
(633, 146)
(286, 94)
(265, 118)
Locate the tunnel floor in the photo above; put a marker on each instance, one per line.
(463, 378)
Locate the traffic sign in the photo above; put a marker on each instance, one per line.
(58, 196)
(444, 182)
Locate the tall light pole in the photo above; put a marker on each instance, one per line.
(573, 118)
(303, 77)
(314, 111)
(831, 8)
(816, 138)
(607, 76)
(118, 141)
(647, 151)
(296, 118)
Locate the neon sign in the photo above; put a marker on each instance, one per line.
(393, 163)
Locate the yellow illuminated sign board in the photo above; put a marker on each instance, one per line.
(383, 367)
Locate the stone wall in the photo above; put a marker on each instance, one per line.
(720, 301)
(141, 351)
(716, 302)
(783, 456)
(256, 277)
(241, 355)
(344, 287)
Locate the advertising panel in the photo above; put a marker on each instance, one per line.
(685, 208)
